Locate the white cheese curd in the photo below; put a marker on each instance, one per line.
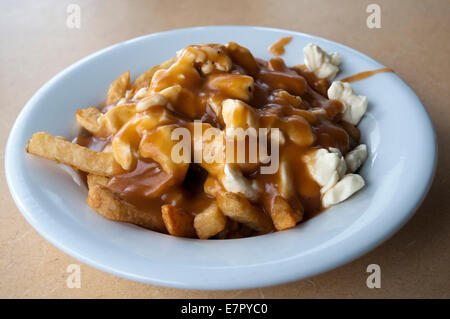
(354, 105)
(326, 167)
(356, 157)
(346, 187)
(323, 65)
(233, 181)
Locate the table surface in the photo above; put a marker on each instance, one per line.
(413, 40)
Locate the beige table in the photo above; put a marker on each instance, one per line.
(35, 44)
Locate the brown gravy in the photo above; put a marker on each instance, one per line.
(364, 75)
(277, 48)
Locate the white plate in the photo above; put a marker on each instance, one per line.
(398, 172)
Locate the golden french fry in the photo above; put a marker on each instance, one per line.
(105, 203)
(118, 88)
(238, 208)
(58, 149)
(147, 76)
(102, 125)
(88, 119)
(112, 121)
(178, 222)
(209, 222)
(243, 57)
(283, 215)
(97, 179)
(157, 145)
(235, 86)
(298, 130)
(125, 143)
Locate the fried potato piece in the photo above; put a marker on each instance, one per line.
(209, 222)
(125, 143)
(235, 86)
(238, 208)
(88, 119)
(118, 88)
(58, 149)
(146, 77)
(113, 120)
(243, 57)
(158, 145)
(283, 214)
(105, 203)
(178, 222)
(103, 125)
(93, 179)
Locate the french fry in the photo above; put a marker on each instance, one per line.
(235, 86)
(97, 179)
(238, 208)
(58, 149)
(178, 222)
(105, 203)
(157, 145)
(115, 118)
(106, 124)
(147, 76)
(88, 119)
(118, 88)
(209, 222)
(243, 57)
(283, 215)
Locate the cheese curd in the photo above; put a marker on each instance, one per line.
(322, 64)
(233, 181)
(346, 187)
(356, 157)
(326, 167)
(355, 106)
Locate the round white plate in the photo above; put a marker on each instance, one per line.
(398, 172)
